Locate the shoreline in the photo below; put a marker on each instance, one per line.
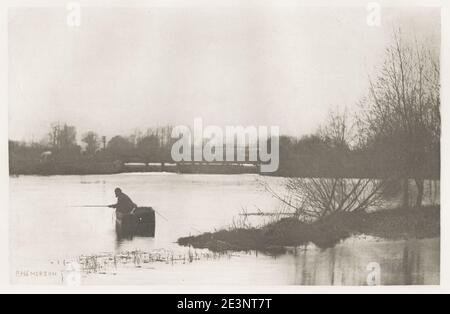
(37, 174)
(390, 224)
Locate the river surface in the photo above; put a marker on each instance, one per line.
(55, 241)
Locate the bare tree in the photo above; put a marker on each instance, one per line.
(329, 195)
(63, 137)
(313, 198)
(338, 130)
(92, 141)
(402, 111)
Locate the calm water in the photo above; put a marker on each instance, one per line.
(49, 233)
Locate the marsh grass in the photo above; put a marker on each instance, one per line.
(400, 223)
(110, 263)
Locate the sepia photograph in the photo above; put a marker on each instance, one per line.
(225, 143)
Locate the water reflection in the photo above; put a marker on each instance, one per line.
(412, 262)
(203, 203)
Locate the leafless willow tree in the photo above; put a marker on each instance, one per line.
(329, 195)
(401, 115)
(338, 129)
(313, 198)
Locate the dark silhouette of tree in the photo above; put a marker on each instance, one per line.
(63, 137)
(338, 132)
(63, 142)
(401, 119)
(149, 148)
(120, 147)
(92, 141)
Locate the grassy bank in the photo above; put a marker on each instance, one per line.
(390, 224)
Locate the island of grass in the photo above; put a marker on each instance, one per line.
(399, 223)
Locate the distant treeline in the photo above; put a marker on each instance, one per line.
(317, 155)
(60, 153)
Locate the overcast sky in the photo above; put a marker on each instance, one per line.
(124, 69)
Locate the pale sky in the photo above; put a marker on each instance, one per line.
(124, 69)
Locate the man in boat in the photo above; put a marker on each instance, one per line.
(124, 203)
